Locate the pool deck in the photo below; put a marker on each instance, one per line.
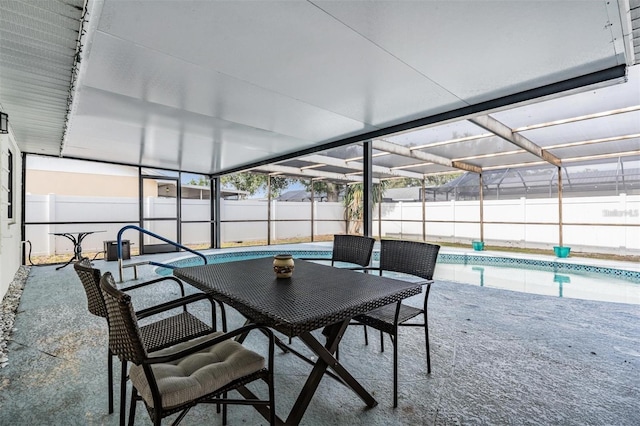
(498, 358)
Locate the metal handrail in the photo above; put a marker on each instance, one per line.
(145, 231)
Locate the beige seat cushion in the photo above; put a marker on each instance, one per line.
(198, 374)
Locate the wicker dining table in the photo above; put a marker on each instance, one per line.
(316, 296)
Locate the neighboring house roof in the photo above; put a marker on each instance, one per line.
(300, 195)
(402, 194)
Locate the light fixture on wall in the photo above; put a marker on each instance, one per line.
(4, 123)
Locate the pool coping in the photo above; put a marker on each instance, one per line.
(624, 270)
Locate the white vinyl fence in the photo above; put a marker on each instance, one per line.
(592, 224)
(598, 224)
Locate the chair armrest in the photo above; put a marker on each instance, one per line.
(380, 271)
(230, 335)
(156, 281)
(365, 268)
(183, 301)
(328, 259)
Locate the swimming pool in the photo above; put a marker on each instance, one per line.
(545, 277)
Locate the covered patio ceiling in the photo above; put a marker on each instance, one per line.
(217, 87)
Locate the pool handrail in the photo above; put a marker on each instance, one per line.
(154, 235)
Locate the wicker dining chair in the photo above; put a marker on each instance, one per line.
(157, 335)
(406, 257)
(201, 370)
(353, 249)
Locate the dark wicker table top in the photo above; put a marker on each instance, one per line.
(316, 296)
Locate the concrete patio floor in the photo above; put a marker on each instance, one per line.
(498, 358)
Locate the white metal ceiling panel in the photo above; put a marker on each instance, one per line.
(146, 77)
(523, 44)
(167, 137)
(289, 47)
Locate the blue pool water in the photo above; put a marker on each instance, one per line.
(562, 279)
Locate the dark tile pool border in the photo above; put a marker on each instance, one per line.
(537, 264)
(447, 258)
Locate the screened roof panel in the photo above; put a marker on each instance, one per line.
(502, 160)
(576, 105)
(437, 134)
(432, 169)
(586, 130)
(484, 146)
(604, 148)
(632, 161)
(394, 161)
(344, 152)
(410, 164)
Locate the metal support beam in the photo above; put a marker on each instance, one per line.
(216, 228)
(494, 126)
(268, 210)
(404, 151)
(313, 205)
(560, 207)
(294, 171)
(380, 220)
(423, 197)
(357, 165)
(367, 189)
(481, 187)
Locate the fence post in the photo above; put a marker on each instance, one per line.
(51, 217)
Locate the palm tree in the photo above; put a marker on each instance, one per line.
(354, 204)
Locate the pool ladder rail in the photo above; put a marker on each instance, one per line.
(135, 265)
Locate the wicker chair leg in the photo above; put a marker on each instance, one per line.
(366, 337)
(224, 410)
(123, 393)
(223, 313)
(132, 408)
(426, 339)
(395, 368)
(272, 396)
(110, 378)
(381, 341)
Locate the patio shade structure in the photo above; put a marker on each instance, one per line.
(290, 87)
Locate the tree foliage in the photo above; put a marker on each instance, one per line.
(431, 180)
(254, 182)
(332, 189)
(202, 181)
